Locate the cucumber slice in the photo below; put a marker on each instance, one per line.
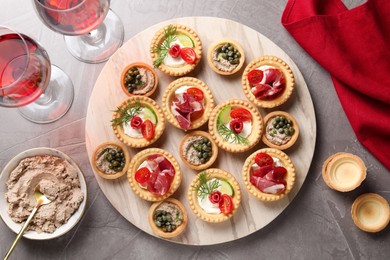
(226, 188)
(185, 40)
(224, 115)
(149, 114)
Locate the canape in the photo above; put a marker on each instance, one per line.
(168, 218)
(139, 79)
(176, 50)
(138, 121)
(281, 130)
(214, 195)
(187, 103)
(236, 125)
(198, 150)
(268, 81)
(110, 160)
(225, 57)
(268, 174)
(154, 174)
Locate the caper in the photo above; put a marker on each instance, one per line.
(219, 49)
(234, 61)
(202, 160)
(158, 223)
(205, 155)
(280, 130)
(277, 119)
(208, 143)
(224, 56)
(115, 163)
(223, 48)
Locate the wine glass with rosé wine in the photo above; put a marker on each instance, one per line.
(42, 92)
(92, 32)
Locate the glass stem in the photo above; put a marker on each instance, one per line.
(95, 37)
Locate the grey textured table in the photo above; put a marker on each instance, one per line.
(316, 225)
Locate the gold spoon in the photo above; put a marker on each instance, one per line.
(41, 200)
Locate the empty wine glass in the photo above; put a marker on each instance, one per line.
(43, 92)
(92, 32)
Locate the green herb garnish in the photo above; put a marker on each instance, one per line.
(164, 47)
(228, 134)
(204, 187)
(126, 113)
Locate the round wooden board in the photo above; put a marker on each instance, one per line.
(252, 214)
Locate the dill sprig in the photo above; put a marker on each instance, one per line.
(126, 113)
(228, 134)
(204, 187)
(164, 47)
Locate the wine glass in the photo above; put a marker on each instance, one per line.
(43, 92)
(92, 32)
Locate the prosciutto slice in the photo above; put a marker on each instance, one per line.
(162, 174)
(269, 179)
(271, 86)
(183, 106)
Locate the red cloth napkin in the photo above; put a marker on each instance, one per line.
(354, 46)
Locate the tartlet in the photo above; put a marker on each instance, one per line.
(289, 177)
(150, 111)
(152, 218)
(100, 163)
(145, 86)
(186, 84)
(191, 40)
(225, 137)
(277, 94)
(343, 171)
(188, 151)
(370, 212)
(137, 162)
(285, 137)
(193, 195)
(218, 57)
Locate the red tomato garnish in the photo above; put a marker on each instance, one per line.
(241, 113)
(196, 93)
(188, 55)
(255, 76)
(215, 196)
(236, 125)
(136, 122)
(174, 51)
(279, 172)
(142, 176)
(147, 129)
(226, 204)
(263, 159)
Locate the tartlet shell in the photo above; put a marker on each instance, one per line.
(143, 65)
(103, 174)
(214, 150)
(286, 162)
(188, 81)
(186, 68)
(253, 138)
(335, 158)
(178, 230)
(294, 137)
(193, 196)
(138, 159)
(140, 142)
(277, 63)
(360, 202)
(221, 42)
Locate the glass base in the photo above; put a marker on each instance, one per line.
(54, 102)
(98, 45)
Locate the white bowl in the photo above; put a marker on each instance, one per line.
(15, 227)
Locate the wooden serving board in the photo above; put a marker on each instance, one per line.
(252, 214)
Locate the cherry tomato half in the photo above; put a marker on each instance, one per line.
(196, 93)
(226, 204)
(147, 129)
(263, 159)
(241, 113)
(255, 76)
(188, 55)
(142, 176)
